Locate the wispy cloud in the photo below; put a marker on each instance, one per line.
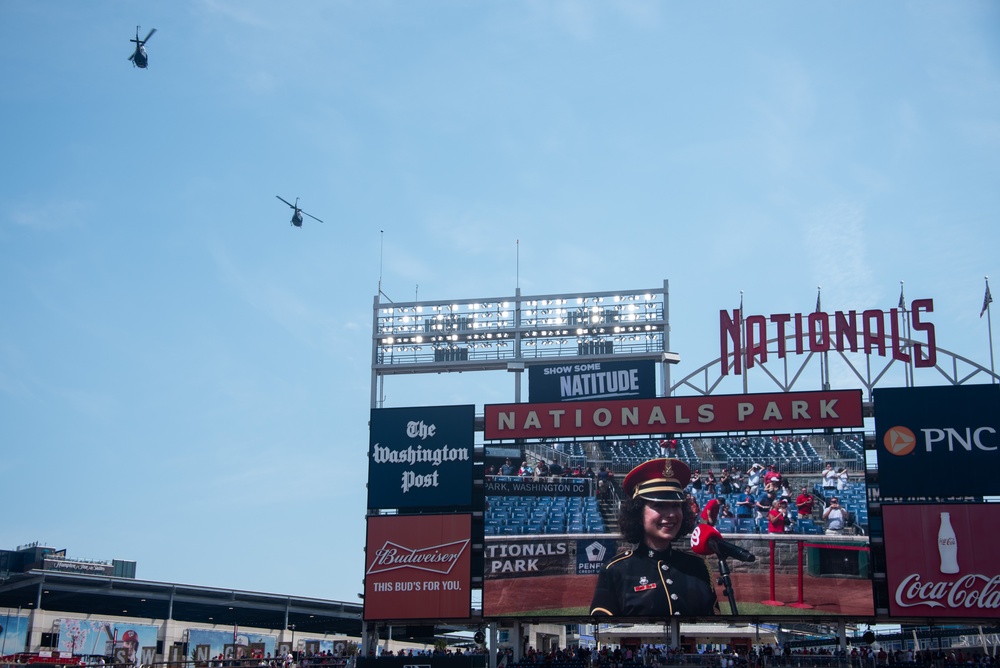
(47, 216)
(235, 11)
(300, 318)
(836, 244)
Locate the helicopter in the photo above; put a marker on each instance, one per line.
(297, 215)
(139, 58)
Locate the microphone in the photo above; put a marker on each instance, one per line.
(706, 539)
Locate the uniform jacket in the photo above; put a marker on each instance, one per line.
(650, 583)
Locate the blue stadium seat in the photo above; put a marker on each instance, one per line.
(726, 525)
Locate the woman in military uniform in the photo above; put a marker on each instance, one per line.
(656, 579)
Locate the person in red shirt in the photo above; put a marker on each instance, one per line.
(778, 520)
(772, 477)
(804, 503)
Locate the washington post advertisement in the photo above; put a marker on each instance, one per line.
(943, 560)
(645, 528)
(421, 457)
(418, 567)
(953, 431)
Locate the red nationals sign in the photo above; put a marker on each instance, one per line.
(677, 415)
(943, 560)
(418, 567)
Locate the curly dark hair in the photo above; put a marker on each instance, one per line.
(631, 524)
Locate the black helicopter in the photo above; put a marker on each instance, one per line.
(139, 58)
(297, 215)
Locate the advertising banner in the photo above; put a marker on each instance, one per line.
(511, 486)
(418, 567)
(835, 409)
(544, 554)
(81, 567)
(635, 379)
(421, 457)
(952, 431)
(205, 644)
(943, 560)
(13, 633)
(128, 643)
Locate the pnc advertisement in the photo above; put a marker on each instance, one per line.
(418, 567)
(953, 431)
(767, 495)
(943, 560)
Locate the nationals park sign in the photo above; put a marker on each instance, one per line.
(870, 331)
(832, 409)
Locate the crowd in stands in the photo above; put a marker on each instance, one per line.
(756, 491)
(437, 651)
(764, 656)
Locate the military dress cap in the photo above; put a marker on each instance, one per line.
(658, 480)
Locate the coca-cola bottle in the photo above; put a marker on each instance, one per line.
(947, 545)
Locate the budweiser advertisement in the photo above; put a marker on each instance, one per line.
(418, 567)
(552, 539)
(834, 409)
(943, 560)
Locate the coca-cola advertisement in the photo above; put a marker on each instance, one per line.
(418, 567)
(943, 560)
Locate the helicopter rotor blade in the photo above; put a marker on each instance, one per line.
(311, 216)
(286, 201)
(149, 35)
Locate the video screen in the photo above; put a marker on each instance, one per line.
(782, 520)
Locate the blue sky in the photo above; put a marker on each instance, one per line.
(184, 377)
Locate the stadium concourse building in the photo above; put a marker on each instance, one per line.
(57, 606)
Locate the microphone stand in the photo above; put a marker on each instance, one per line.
(727, 584)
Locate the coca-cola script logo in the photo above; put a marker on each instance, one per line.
(969, 591)
(435, 559)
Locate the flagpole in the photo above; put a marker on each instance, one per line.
(824, 360)
(743, 347)
(908, 366)
(989, 327)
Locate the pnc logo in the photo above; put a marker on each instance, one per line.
(899, 441)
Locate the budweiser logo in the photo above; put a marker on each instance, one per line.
(436, 559)
(969, 591)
